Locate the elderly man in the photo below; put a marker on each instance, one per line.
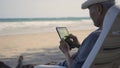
(97, 11)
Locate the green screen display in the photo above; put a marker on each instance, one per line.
(62, 31)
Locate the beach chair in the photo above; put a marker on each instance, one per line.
(106, 52)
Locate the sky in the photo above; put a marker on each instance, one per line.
(42, 8)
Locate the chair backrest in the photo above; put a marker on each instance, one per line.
(106, 51)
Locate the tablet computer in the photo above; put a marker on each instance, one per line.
(62, 32)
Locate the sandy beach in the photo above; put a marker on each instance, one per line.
(38, 48)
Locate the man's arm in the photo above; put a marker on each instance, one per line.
(69, 59)
(64, 47)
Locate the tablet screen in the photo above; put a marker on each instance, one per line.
(62, 32)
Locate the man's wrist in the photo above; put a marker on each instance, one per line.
(67, 54)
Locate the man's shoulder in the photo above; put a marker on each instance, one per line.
(93, 36)
(96, 32)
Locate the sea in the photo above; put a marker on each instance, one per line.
(13, 26)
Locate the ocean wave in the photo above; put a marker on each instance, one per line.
(7, 28)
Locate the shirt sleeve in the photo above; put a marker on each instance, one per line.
(84, 50)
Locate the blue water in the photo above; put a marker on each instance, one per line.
(43, 19)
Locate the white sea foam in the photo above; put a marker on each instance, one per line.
(11, 28)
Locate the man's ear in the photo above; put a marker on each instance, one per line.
(99, 9)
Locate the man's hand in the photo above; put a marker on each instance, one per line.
(64, 47)
(72, 41)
